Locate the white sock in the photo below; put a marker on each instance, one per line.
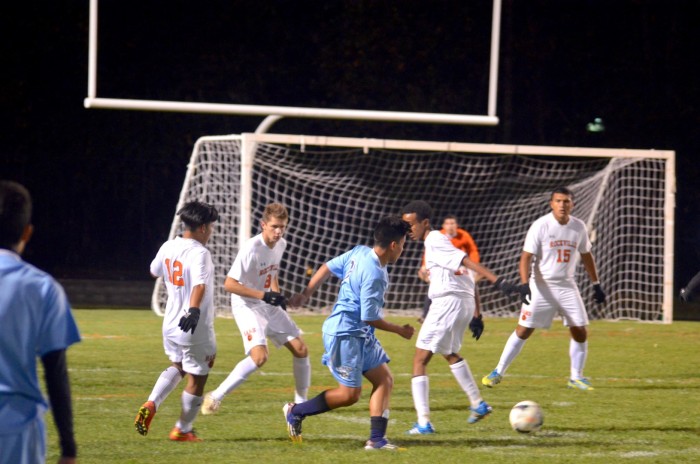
(190, 409)
(166, 383)
(238, 375)
(420, 387)
(302, 378)
(512, 349)
(577, 353)
(465, 379)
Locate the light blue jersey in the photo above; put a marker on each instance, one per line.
(361, 294)
(35, 319)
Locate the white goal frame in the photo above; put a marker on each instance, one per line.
(249, 141)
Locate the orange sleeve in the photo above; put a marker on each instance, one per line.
(466, 243)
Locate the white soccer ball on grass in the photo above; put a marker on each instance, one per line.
(526, 417)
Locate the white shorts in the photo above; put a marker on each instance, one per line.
(549, 300)
(195, 359)
(260, 321)
(443, 328)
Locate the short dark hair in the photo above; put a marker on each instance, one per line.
(421, 208)
(562, 191)
(450, 216)
(390, 229)
(15, 212)
(197, 213)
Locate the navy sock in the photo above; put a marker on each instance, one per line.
(312, 407)
(378, 427)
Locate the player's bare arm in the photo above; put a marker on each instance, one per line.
(197, 295)
(231, 285)
(301, 299)
(589, 265)
(406, 331)
(525, 266)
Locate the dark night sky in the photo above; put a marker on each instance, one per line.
(106, 182)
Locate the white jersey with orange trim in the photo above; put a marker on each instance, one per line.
(255, 266)
(554, 247)
(184, 263)
(444, 263)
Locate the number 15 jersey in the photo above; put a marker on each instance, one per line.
(554, 247)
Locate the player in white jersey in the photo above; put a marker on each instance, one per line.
(454, 306)
(547, 267)
(352, 350)
(186, 267)
(260, 309)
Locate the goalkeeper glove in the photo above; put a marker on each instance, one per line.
(189, 321)
(275, 299)
(525, 294)
(476, 326)
(504, 287)
(598, 294)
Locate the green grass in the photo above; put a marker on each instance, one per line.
(644, 407)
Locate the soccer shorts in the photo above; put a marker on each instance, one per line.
(443, 328)
(195, 359)
(349, 357)
(549, 300)
(261, 321)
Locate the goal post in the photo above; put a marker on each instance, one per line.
(337, 188)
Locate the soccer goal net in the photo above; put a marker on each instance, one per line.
(336, 189)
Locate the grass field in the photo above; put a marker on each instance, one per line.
(645, 406)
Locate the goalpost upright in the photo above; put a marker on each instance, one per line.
(336, 187)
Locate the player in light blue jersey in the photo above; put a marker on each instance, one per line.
(351, 347)
(35, 319)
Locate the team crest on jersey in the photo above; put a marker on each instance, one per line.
(249, 334)
(524, 314)
(345, 372)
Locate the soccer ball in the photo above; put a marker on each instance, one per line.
(526, 417)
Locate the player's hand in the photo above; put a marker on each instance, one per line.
(476, 326)
(598, 294)
(407, 332)
(298, 300)
(684, 294)
(275, 299)
(504, 287)
(190, 320)
(525, 293)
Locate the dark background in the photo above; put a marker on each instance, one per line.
(106, 182)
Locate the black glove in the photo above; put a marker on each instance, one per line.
(598, 294)
(684, 294)
(525, 294)
(504, 287)
(275, 299)
(190, 320)
(476, 326)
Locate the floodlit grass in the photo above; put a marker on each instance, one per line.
(644, 407)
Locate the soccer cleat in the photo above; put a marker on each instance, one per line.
(581, 384)
(494, 378)
(178, 435)
(293, 423)
(417, 429)
(144, 417)
(382, 444)
(479, 412)
(210, 405)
